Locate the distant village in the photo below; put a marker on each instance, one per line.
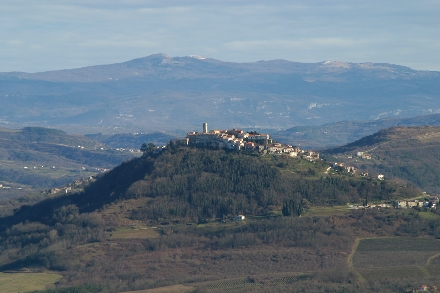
(237, 139)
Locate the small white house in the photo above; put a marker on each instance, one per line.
(238, 218)
(380, 177)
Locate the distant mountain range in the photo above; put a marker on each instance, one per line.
(177, 94)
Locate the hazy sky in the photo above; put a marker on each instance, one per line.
(41, 35)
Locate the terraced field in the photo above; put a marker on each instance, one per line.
(167, 289)
(251, 283)
(397, 258)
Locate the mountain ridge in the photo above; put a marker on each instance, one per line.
(163, 93)
(161, 61)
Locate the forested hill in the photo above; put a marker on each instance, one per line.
(409, 153)
(151, 207)
(189, 183)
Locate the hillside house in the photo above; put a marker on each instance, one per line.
(249, 146)
(363, 155)
(433, 199)
(413, 203)
(340, 167)
(350, 169)
(400, 204)
(238, 218)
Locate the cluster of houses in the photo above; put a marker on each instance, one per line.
(430, 203)
(425, 288)
(370, 206)
(341, 167)
(78, 184)
(237, 139)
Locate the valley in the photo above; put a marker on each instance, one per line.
(113, 188)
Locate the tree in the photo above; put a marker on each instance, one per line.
(144, 148)
(147, 148)
(294, 207)
(151, 146)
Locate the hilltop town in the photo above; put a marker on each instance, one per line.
(237, 139)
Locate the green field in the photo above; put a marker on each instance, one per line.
(327, 210)
(24, 282)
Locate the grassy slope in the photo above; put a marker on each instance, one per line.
(23, 282)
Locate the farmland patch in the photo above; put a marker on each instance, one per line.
(22, 282)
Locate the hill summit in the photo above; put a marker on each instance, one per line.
(168, 213)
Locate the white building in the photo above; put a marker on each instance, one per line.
(238, 218)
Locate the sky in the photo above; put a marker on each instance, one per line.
(45, 35)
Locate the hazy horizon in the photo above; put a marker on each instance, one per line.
(53, 35)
